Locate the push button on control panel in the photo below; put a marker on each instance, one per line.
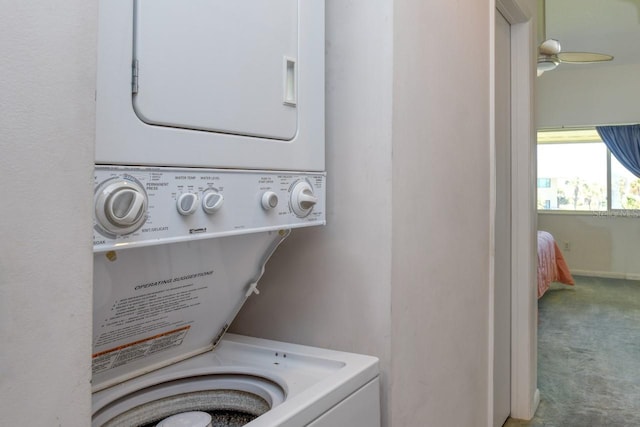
(269, 200)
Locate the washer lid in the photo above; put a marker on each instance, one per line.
(157, 305)
(217, 65)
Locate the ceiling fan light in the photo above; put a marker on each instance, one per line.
(550, 47)
(547, 64)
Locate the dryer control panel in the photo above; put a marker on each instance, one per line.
(142, 206)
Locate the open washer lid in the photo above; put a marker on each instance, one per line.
(157, 305)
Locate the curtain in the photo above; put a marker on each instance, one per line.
(624, 144)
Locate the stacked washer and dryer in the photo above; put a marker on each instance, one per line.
(209, 151)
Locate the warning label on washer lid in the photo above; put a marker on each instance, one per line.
(149, 318)
(124, 354)
(140, 315)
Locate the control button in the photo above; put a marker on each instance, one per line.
(187, 203)
(120, 206)
(302, 199)
(269, 200)
(212, 202)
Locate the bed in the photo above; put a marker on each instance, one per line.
(551, 264)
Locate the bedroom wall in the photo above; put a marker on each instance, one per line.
(582, 96)
(606, 246)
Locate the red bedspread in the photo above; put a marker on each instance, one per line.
(551, 264)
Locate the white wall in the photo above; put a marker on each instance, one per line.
(47, 80)
(587, 96)
(603, 245)
(330, 286)
(401, 270)
(441, 205)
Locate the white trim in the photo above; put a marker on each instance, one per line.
(525, 396)
(514, 11)
(524, 393)
(602, 274)
(492, 213)
(606, 274)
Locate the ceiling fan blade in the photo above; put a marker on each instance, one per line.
(583, 57)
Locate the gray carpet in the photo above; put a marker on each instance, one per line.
(589, 355)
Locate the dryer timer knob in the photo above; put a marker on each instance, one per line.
(302, 199)
(120, 206)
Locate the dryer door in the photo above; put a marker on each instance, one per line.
(217, 65)
(229, 84)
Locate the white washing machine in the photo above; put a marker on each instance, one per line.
(209, 151)
(254, 383)
(165, 294)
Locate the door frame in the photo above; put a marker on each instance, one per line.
(521, 15)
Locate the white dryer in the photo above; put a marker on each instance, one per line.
(211, 83)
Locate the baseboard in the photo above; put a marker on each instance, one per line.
(603, 274)
(536, 401)
(606, 274)
(532, 407)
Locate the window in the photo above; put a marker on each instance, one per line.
(576, 172)
(625, 187)
(544, 182)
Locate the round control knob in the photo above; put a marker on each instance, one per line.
(212, 202)
(302, 199)
(120, 206)
(187, 203)
(269, 200)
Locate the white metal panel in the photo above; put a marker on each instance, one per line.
(241, 211)
(122, 138)
(361, 409)
(217, 65)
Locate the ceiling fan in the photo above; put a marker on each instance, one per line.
(550, 53)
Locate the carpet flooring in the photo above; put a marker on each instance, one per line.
(588, 355)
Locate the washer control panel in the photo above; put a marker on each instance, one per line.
(140, 206)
